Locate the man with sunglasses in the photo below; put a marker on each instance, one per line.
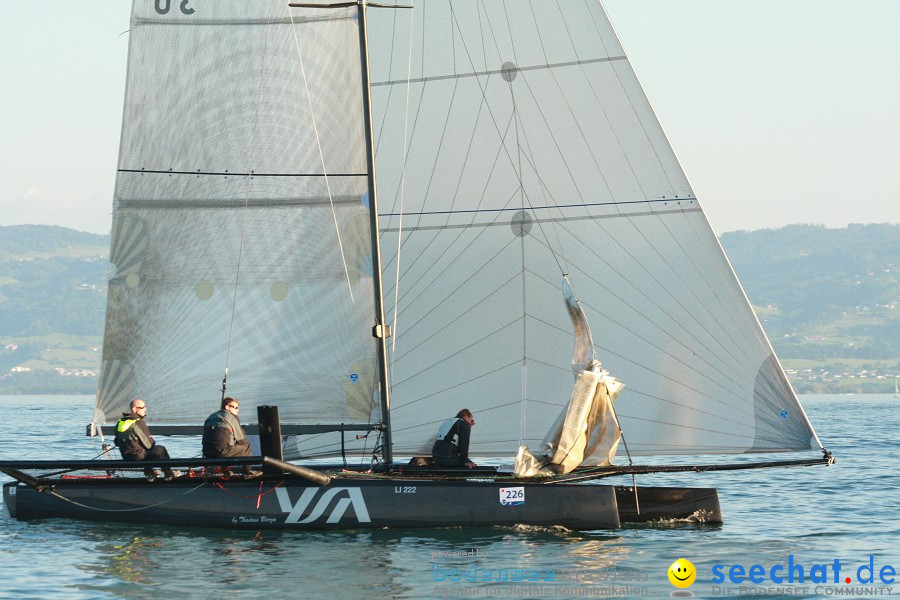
(135, 442)
(224, 437)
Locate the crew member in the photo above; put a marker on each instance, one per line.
(135, 442)
(451, 448)
(224, 437)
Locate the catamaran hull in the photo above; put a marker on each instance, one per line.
(661, 504)
(289, 503)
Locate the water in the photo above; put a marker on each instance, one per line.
(816, 514)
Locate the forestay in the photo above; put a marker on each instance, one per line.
(514, 144)
(230, 246)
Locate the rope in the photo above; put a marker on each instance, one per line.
(402, 189)
(258, 496)
(123, 510)
(321, 154)
(237, 272)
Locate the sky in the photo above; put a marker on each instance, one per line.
(780, 112)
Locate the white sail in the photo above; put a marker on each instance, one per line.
(230, 246)
(514, 145)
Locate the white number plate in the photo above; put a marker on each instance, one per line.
(512, 496)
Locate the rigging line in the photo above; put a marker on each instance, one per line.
(628, 159)
(448, 295)
(519, 145)
(435, 332)
(599, 103)
(638, 391)
(727, 331)
(615, 470)
(652, 301)
(402, 187)
(237, 273)
(312, 114)
(451, 387)
(455, 239)
(469, 247)
(647, 318)
(480, 411)
(124, 510)
(574, 182)
(729, 274)
(463, 349)
(640, 90)
(454, 197)
(726, 375)
(730, 432)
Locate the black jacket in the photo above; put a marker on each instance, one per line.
(452, 439)
(133, 437)
(222, 431)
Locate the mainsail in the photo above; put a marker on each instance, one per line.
(515, 145)
(241, 227)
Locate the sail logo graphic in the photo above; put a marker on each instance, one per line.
(295, 512)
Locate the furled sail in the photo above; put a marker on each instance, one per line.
(586, 432)
(514, 144)
(241, 226)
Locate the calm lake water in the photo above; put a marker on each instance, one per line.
(815, 515)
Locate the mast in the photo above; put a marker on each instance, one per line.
(381, 330)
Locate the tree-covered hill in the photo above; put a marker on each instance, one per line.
(828, 298)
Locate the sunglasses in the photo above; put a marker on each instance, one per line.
(235, 407)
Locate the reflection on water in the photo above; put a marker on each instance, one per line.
(815, 514)
(128, 562)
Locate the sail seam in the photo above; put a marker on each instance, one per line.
(489, 72)
(237, 174)
(553, 207)
(547, 220)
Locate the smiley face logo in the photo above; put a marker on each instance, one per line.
(682, 573)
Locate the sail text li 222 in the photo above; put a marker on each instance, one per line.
(514, 148)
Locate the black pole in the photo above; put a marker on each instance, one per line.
(381, 329)
(269, 433)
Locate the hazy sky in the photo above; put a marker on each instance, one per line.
(780, 111)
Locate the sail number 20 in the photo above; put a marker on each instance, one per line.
(404, 489)
(163, 6)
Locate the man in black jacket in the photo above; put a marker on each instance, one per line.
(135, 442)
(224, 437)
(451, 448)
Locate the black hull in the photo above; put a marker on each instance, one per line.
(658, 504)
(286, 502)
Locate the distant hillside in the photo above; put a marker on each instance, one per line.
(52, 302)
(828, 298)
(28, 241)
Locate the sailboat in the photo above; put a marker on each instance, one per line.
(370, 216)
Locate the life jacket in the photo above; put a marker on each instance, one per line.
(447, 441)
(128, 438)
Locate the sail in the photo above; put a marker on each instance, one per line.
(515, 145)
(241, 227)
